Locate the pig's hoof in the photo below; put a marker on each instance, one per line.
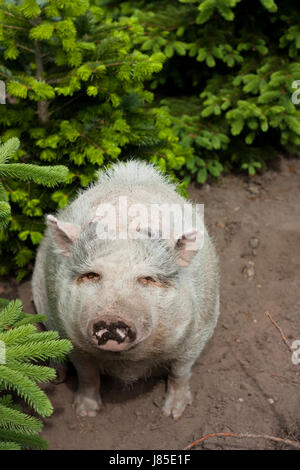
(175, 402)
(86, 406)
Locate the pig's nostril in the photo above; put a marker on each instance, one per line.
(117, 331)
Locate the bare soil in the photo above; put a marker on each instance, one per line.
(245, 380)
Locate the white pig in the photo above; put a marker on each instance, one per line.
(129, 304)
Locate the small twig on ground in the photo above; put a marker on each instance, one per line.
(280, 331)
(249, 366)
(240, 436)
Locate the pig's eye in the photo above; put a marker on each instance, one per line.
(150, 281)
(88, 277)
(146, 280)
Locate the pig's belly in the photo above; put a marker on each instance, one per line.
(130, 371)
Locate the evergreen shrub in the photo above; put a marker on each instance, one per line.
(196, 86)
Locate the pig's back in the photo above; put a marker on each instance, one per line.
(140, 182)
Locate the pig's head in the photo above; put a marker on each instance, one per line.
(118, 292)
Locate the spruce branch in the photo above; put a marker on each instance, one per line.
(3, 194)
(10, 314)
(37, 373)
(11, 440)
(23, 344)
(44, 175)
(12, 379)
(5, 212)
(18, 421)
(7, 445)
(8, 149)
(29, 319)
(16, 334)
(39, 350)
(48, 176)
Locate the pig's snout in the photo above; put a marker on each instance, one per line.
(112, 334)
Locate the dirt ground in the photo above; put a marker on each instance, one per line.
(245, 380)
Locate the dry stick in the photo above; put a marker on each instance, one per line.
(280, 331)
(240, 436)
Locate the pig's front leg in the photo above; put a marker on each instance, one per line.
(87, 398)
(178, 394)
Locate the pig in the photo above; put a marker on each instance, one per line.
(131, 305)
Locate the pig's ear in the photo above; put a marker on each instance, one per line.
(63, 233)
(187, 246)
